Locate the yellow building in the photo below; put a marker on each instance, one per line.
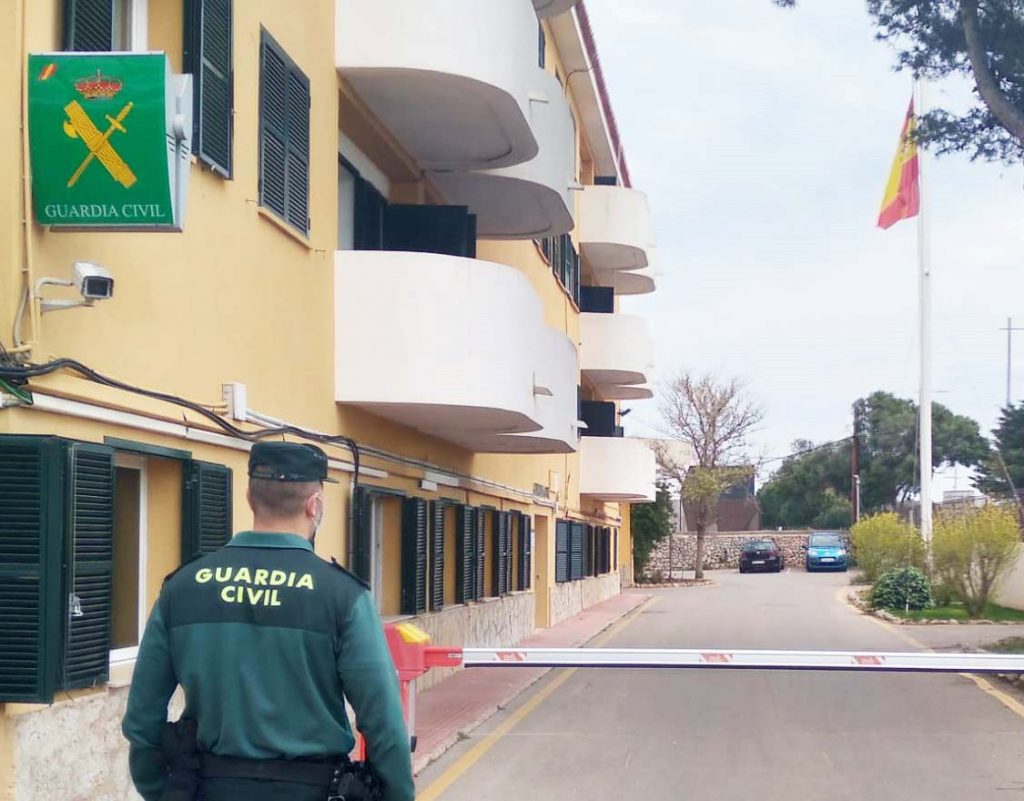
(404, 230)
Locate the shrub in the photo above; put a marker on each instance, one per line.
(971, 550)
(883, 542)
(902, 588)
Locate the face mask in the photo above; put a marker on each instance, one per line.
(316, 523)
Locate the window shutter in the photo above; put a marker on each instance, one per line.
(298, 149)
(90, 551)
(577, 532)
(362, 536)
(562, 550)
(525, 552)
(207, 513)
(502, 558)
(284, 135)
(89, 25)
(436, 556)
(31, 597)
(414, 556)
(465, 542)
(209, 59)
(479, 555)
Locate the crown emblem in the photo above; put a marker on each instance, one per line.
(98, 86)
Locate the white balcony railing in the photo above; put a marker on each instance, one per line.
(616, 469)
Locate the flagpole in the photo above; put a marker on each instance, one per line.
(925, 314)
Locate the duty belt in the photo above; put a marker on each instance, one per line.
(319, 774)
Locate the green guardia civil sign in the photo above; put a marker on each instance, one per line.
(98, 136)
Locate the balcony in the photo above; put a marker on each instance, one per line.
(450, 79)
(616, 469)
(529, 200)
(423, 339)
(640, 282)
(617, 351)
(552, 8)
(615, 228)
(555, 412)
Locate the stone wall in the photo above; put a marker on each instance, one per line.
(572, 597)
(1009, 591)
(490, 622)
(721, 550)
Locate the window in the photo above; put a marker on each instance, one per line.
(347, 213)
(542, 45)
(128, 615)
(577, 548)
(105, 25)
(470, 549)
(284, 136)
(565, 263)
(562, 551)
(524, 556)
(501, 533)
(72, 558)
(208, 58)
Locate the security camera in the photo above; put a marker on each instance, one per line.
(92, 281)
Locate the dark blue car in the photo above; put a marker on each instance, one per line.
(826, 550)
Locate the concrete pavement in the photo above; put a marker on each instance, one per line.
(744, 734)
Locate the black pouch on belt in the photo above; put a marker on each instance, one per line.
(181, 749)
(356, 781)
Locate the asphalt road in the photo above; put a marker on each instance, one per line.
(658, 735)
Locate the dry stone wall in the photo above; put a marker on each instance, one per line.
(721, 550)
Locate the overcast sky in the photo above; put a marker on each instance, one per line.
(763, 139)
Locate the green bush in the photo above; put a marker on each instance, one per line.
(971, 550)
(902, 588)
(883, 542)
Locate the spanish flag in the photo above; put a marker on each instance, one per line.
(902, 193)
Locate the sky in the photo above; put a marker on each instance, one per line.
(763, 139)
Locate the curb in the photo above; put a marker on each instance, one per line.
(853, 599)
(422, 762)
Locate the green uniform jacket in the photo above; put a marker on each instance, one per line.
(267, 640)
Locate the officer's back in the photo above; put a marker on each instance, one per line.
(267, 640)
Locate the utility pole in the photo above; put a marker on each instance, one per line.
(855, 471)
(1009, 357)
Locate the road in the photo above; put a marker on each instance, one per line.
(736, 735)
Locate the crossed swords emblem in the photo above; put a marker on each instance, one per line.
(78, 125)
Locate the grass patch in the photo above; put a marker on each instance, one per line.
(1007, 645)
(956, 611)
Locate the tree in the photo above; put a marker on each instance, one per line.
(1001, 473)
(811, 487)
(650, 523)
(981, 39)
(886, 427)
(714, 419)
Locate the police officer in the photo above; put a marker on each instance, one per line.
(267, 641)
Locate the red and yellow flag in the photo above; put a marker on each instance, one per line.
(902, 193)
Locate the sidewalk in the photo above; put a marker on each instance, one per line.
(470, 697)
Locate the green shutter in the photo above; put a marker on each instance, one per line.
(207, 509)
(209, 59)
(414, 556)
(500, 535)
(479, 555)
(284, 135)
(465, 548)
(89, 25)
(362, 535)
(90, 552)
(577, 533)
(562, 550)
(525, 552)
(31, 596)
(436, 556)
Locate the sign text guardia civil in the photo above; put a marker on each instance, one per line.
(98, 139)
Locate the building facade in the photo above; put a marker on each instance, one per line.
(400, 230)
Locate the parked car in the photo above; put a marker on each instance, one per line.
(761, 555)
(826, 550)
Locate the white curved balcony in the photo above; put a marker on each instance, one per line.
(617, 469)
(639, 282)
(450, 79)
(615, 228)
(617, 393)
(552, 8)
(617, 350)
(423, 339)
(555, 412)
(529, 200)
